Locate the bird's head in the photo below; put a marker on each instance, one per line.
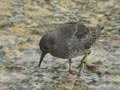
(46, 43)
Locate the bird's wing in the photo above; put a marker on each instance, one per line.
(82, 32)
(85, 35)
(66, 30)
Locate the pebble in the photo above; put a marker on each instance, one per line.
(14, 67)
(14, 20)
(88, 15)
(116, 31)
(100, 73)
(77, 82)
(92, 68)
(1, 46)
(31, 9)
(2, 53)
(29, 39)
(55, 84)
(37, 31)
(35, 2)
(59, 15)
(59, 66)
(6, 24)
(89, 81)
(36, 79)
(117, 46)
(56, 66)
(11, 45)
(116, 72)
(4, 15)
(54, 1)
(102, 0)
(55, 77)
(105, 42)
(17, 3)
(96, 79)
(17, 11)
(81, 1)
(67, 88)
(107, 14)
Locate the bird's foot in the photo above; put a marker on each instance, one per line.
(71, 72)
(82, 69)
(68, 72)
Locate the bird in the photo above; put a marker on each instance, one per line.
(68, 41)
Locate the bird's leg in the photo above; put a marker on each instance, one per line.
(83, 62)
(81, 66)
(69, 70)
(69, 66)
(41, 58)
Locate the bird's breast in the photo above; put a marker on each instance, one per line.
(67, 51)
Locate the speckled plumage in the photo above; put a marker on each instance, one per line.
(69, 40)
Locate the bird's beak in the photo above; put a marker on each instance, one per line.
(41, 58)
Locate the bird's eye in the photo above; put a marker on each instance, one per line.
(45, 47)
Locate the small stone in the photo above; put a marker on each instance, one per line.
(63, 66)
(77, 82)
(107, 14)
(4, 15)
(55, 77)
(14, 20)
(81, 1)
(116, 31)
(2, 53)
(29, 39)
(67, 88)
(105, 42)
(11, 45)
(17, 11)
(59, 66)
(30, 9)
(113, 72)
(1, 46)
(59, 15)
(102, 0)
(100, 73)
(17, 4)
(36, 31)
(88, 81)
(99, 62)
(54, 1)
(116, 46)
(92, 68)
(36, 79)
(56, 66)
(87, 15)
(35, 2)
(14, 67)
(45, 87)
(55, 84)
(6, 24)
(96, 79)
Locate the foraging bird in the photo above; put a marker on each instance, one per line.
(68, 41)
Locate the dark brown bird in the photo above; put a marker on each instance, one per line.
(68, 41)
